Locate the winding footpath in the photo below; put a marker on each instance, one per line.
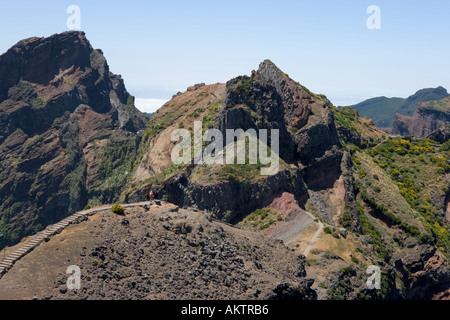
(52, 230)
(8, 262)
(314, 238)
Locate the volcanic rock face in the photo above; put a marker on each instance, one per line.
(428, 117)
(65, 122)
(283, 104)
(269, 99)
(423, 268)
(440, 135)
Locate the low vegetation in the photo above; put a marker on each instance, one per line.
(398, 180)
(118, 209)
(261, 219)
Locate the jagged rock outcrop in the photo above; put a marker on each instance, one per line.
(305, 120)
(232, 199)
(68, 131)
(440, 135)
(349, 197)
(424, 270)
(269, 99)
(428, 117)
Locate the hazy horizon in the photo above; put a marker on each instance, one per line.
(161, 48)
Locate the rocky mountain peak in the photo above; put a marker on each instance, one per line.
(269, 71)
(66, 122)
(40, 60)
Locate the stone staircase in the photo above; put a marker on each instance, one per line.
(45, 235)
(56, 228)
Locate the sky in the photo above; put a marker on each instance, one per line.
(162, 47)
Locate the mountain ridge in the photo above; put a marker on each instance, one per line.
(364, 196)
(382, 110)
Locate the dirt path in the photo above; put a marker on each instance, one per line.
(178, 255)
(289, 230)
(295, 226)
(11, 255)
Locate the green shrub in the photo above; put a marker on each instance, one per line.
(346, 219)
(118, 209)
(327, 230)
(264, 214)
(354, 260)
(264, 226)
(377, 189)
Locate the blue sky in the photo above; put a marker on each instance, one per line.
(163, 47)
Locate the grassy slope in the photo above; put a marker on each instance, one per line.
(401, 184)
(381, 110)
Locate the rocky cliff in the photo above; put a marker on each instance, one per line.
(68, 132)
(428, 117)
(269, 99)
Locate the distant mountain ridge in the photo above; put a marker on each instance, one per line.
(427, 118)
(382, 110)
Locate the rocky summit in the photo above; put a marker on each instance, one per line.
(68, 132)
(347, 197)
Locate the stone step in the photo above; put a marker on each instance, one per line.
(9, 258)
(59, 225)
(50, 230)
(30, 244)
(14, 254)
